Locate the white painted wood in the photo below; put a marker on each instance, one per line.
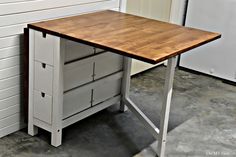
(102, 69)
(75, 50)
(9, 52)
(76, 101)
(58, 88)
(165, 111)
(97, 50)
(105, 80)
(125, 84)
(11, 1)
(9, 111)
(9, 62)
(10, 41)
(43, 77)
(105, 91)
(12, 30)
(123, 6)
(42, 106)
(10, 120)
(10, 101)
(90, 111)
(44, 48)
(10, 72)
(5, 93)
(177, 11)
(9, 82)
(218, 57)
(10, 129)
(32, 130)
(42, 124)
(77, 74)
(12, 8)
(73, 10)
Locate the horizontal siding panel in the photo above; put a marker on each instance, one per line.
(13, 8)
(51, 13)
(10, 41)
(11, 101)
(9, 82)
(9, 62)
(10, 120)
(12, 1)
(10, 72)
(73, 10)
(6, 93)
(12, 30)
(10, 129)
(9, 111)
(9, 52)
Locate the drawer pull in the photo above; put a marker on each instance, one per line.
(44, 65)
(42, 94)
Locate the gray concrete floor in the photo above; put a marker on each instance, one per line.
(111, 133)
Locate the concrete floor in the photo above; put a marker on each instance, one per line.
(110, 133)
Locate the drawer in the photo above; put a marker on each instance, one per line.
(75, 50)
(44, 48)
(77, 74)
(107, 63)
(43, 77)
(42, 107)
(106, 91)
(76, 101)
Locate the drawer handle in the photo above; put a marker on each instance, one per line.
(42, 94)
(44, 65)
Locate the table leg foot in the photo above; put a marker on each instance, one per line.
(56, 138)
(32, 130)
(123, 107)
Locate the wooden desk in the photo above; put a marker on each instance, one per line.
(127, 35)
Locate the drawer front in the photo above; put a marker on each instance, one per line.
(76, 101)
(75, 50)
(107, 63)
(106, 91)
(44, 48)
(43, 107)
(77, 74)
(43, 77)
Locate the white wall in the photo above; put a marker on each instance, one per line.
(14, 16)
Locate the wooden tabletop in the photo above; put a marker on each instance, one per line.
(144, 39)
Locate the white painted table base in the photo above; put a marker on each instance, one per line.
(159, 134)
(58, 89)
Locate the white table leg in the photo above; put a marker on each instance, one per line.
(166, 106)
(32, 130)
(58, 86)
(161, 134)
(125, 83)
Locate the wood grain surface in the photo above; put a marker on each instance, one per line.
(144, 39)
